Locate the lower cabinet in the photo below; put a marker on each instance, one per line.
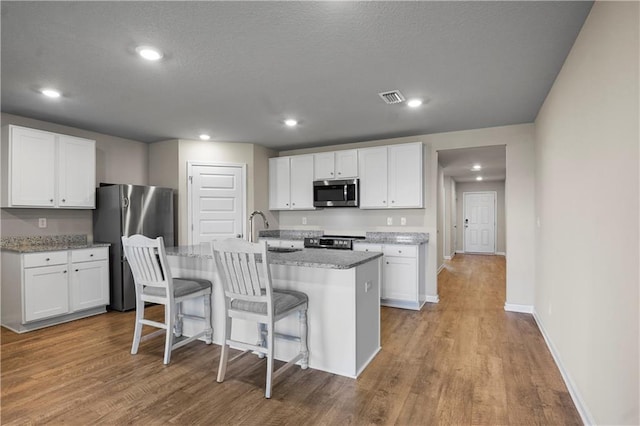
(47, 288)
(403, 280)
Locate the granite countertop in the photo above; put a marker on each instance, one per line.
(36, 244)
(404, 238)
(313, 258)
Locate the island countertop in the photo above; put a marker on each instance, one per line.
(313, 258)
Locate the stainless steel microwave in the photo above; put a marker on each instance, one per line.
(336, 193)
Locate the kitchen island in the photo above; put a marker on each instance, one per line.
(344, 303)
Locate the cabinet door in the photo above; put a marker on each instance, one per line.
(76, 172)
(324, 165)
(405, 176)
(279, 183)
(32, 160)
(89, 283)
(400, 278)
(302, 182)
(373, 177)
(346, 163)
(46, 292)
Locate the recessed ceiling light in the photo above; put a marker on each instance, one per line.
(479, 178)
(51, 93)
(291, 122)
(149, 53)
(476, 167)
(414, 103)
(205, 137)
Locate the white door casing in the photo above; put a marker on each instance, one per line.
(216, 201)
(479, 222)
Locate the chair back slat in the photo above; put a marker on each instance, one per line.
(242, 275)
(147, 260)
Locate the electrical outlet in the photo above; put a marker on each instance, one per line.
(403, 221)
(389, 221)
(304, 220)
(42, 222)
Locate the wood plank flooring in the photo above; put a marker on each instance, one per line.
(460, 362)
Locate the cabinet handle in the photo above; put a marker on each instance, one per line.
(384, 201)
(51, 200)
(293, 204)
(77, 270)
(339, 173)
(91, 255)
(393, 201)
(331, 173)
(399, 251)
(64, 272)
(387, 263)
(286, 204)
(47, 259)
(64, 201)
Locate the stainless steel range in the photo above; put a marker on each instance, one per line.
(342, 242)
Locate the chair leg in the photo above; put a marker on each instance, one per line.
(207, 319)
(270, 341)
(304, 349)
(137, 332)
(169, 319)
(224, 355)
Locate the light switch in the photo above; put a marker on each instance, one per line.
(367, 286)
(304, 220)
(403, 221)
(389, 221)
(42, 222)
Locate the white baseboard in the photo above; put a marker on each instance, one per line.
(524, 309)
(440, 269)
(586, 416)
(448, 257)
(432, 299)
(460, 251)
(501, 253)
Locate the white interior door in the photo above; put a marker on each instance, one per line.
(479, 222)
(216, 201)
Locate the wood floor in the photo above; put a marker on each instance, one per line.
(461, 361)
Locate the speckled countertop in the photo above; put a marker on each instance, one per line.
(313, 258)
(405, 238)
(35, 244)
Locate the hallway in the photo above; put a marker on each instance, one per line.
(459, 362)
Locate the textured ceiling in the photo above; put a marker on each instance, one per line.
(457, 163)
(236, 70)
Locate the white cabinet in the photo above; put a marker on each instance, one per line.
(391, 176)
(336, 164)
(291, 183)
(89, 278)
(285, 243)
(46, 170)
(46, 288)
(403, 280)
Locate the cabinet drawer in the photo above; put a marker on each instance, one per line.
(400, 250)
(86, 255)
(33, 260)
(367, 247)
(292, 243)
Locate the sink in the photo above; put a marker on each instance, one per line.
(283, 249)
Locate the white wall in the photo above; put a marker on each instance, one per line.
(440, 216)
(498, 188)
(173, 156)
(117, 161)
(449, 231)
(519, 201)
(587, 188)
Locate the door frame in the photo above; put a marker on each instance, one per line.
(495, 219)
(190, 165)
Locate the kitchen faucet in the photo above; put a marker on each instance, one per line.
(251, 216)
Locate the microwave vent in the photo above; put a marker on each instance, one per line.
(392, 97)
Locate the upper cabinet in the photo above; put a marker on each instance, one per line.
(291, 183)
(391, 176)
(47, 170)
(336, 165)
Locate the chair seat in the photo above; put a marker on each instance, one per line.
(181, 287)
(283, 301)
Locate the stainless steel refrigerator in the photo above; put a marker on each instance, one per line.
(125, 210)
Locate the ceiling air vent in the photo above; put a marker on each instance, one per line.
(392, 97)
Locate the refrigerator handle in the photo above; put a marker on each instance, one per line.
(125, 202)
